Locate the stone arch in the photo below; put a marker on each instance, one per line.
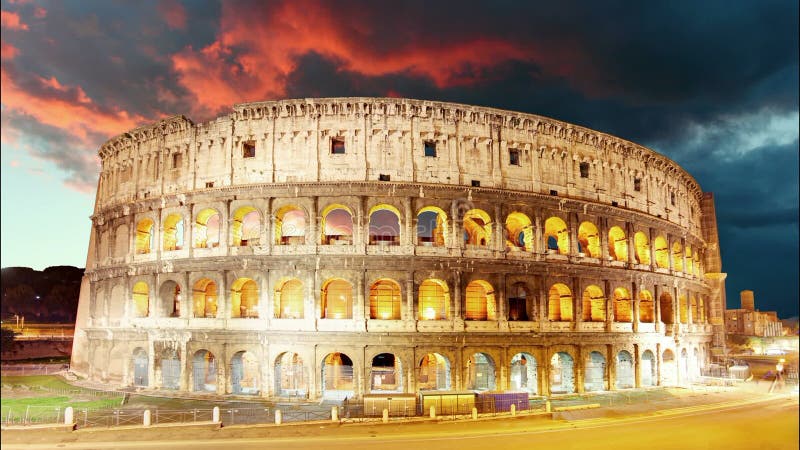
(594, 304)
(204, 371)
(116, 302)
(518, 302)
(336, 224)
(665, 305)
(480, 301)
(477, 228)
(173, 236)
(291, 376)
(647, 369)
(560, 303)
(204, 298)
(689, 262)
(384, 225)
(121, 239)
(244, 298)
(141, 299)
(595, 372)
(207, 228)
(646, 307)
(288, 299)
(144, 236)
(683, 309)
(337, 376)
(625, 371)
(523, 373)
(556, 235)
(434, 300)
(385, 301)
(662, 252)
(434, 373)
(669, 368)
(337, 299)
(170, 363)
(617, 244)
(677, 256)
(589, 239)
(290, 225)
(386, 373)
(642, 244)
(623, 308)
(694, 308)
(169, 295)
(245, 226)
(481, 372)
(245, 373)
(519, 232)
(141, 367)
(562, 373)
(432, 227)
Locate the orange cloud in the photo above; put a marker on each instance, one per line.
(12, 21)
(174, 14)
(8, 51)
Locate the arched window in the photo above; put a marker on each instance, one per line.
(384, 225)
(559, 303)
(665, 304)
(648, 368)
(480, 301)
(518, 303)
(173, 232)
(595, 373)
(290, 226)
(141, 299)
(386, 374)
(144, 236)
(337, 376)
(206, 229)
(689, 262)
(695, 310)
(557, 235)
(289, 299)
(204, 371)
(677, 256)
(646, 307)
(617, 244)
(520, 232)
(432, 228)
(434, 373)
(141, 365)
(562, 374)
(669, 368)
(337, 299)
(589, 240)
(477, 228)
(622, 305)
(337, 225)
(244, 298)
(434, 300)
(662, 252)
(523, 373)
(244, 374)
(170, 296)
(384, 300)
(204, 298)
(481, 372)
(683, 309)
(246, 226)
(594, 304)
(642, 243)
(625, 372)
(291, 377)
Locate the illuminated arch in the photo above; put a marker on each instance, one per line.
(386, 373)
(702, 308)
(434, 373)
(336, 224)
(523, 373)
(622, 305)
(648, 369)
(677, 256)
(520, 231)
(384, 225)
(289, 299)
(665, 305)
(245, 374)
(689, 262)
(480, 301)
(204, 371)
(589, 239)
(646, 307)
(384, 300)
(206, 229)
(625, 371)
(477, 228)
(518, 302)
(595, 373)
(290, 226)
(432, 227)
(245, 226)
(141, 299)
(337, 376)
(173, 232)
(618, 244)
(642, 243)
(559, 303)
(337, 299)
(244, 298)
(204, 298)
(562, 374)
(433, 300)
(695, 311)
(481, 372)
(683, 309)
(594, 304)
(144, 236)
(291, 376)
(662, 252)
(556, 235)
(669, 368)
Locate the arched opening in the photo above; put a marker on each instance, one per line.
(337, 299)
(668, 368)
(625, 374)
(206, 229)
(589, 240)
(617, 244)
(689, 262)
(432, 227)
(337, 376)
(173, 232)
(246, 226)
(384, 300)
(289, 299)
(556, 235)
(434, 300)
(642, 243)
(523, 373)
(141, 368)
(477, 228)
(144, 236)
(244, 298)
(170, 297)
(480, 301)
(595, 379)
(141, 299)
(559, 303)
(562, 377)
(648, 369)
(204, 298)
(291, 378)
(677, 256)
(594, 305)
(701, 310)
(384, 225)
(622, 305)
(121, 241)
(683, 309)
(290, 226)
(662, 252)
(434, 373)
(244, 374)
(337, 225)
(696, 264)
(518, 302)
(116, 303)
(170, 370)
(695, 310)
(204, 371)
(686, 372)
(480, 372)
(665, 305)
(386, 374)
(646, 307)
(519, 232)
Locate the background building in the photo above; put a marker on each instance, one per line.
(751, 322)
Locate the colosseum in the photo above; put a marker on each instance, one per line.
(330, 248)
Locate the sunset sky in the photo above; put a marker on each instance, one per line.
(712, 85)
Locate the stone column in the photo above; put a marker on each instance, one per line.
(188, 229)
(658, 365)
(186, 365)
(603, 238)
(577, 302)
(652, 245)
(609, 295)
(572, 226)
(455, 300)
(578, 369)
(538, 243)
(409, 315)
(151, 364)
(501, 299)
(611, 367)
(360, 313)
(657, 308)
(630, 231)
(409, 237)
(635, 300)
(543, 373)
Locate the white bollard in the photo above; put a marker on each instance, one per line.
(146, 419)
(278, 417)
(385, 415)
(334, 414)
(215, 414)
(69, 416)
(433, 412)
(474, 413)
(513, 409)
(547, 406)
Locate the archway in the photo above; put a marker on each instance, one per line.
(523, 373)
(559, 303)
(432, 227)
(556, 235)
(520, 232)
(668, 368)
(433, 300)
(646, 307)
(386, 374)
(648, 369)
(291, 377)
(244, 374)
(642, 243)
(480, 301)
(170, 370)
(244, 298)
(144, 236)
(337, 225)
(246, 226)
(290, 226)
(594, 305)
(384, 225)
(434, 373)
(206, 229)
(625, 372)
(480, 372)
(662, 252)
(595, 378)
(665, 304)
(477, 228)
(518, 302)
(170, 298)
(337, 376)
(683, 309)
(617, 244)
(589, 240)
(677, 256)
(622, 305)
(204, 370)
(562, 377)
(289, 299)
(173, 232)
(141, 368)
(141, 299)
(384, 300)
(689, 262)
(337, 299)
(204, 298)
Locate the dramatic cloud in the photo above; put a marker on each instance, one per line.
(12, 21)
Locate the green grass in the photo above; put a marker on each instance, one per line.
(19, 405)
(38, 382)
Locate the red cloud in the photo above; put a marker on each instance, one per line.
(8, 51)
(12, 21)
(174, 14)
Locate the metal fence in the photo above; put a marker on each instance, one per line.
(32, 369)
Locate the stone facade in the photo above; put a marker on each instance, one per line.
(338, 247)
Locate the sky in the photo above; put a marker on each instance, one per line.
(712, 85)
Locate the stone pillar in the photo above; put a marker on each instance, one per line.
(572, 226)
(151, 364)
(631, 236)
(361, 310)
(577, 302)
(186, 364)
(501, 299)
(637, 366)
(409, 314)
(223, 297)
(543, 373)
(409, 237)
(609, 295)
(635, 300)
(455, 300)
(652, 245)
(603, 238)
(657, 308)
(498, 230)
(611, 367)
(658, 365)
(312, 234)
(222, 372)
(265, 303)
(538, 243)
(578, 369)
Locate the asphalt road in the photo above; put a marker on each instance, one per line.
(768, 425)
